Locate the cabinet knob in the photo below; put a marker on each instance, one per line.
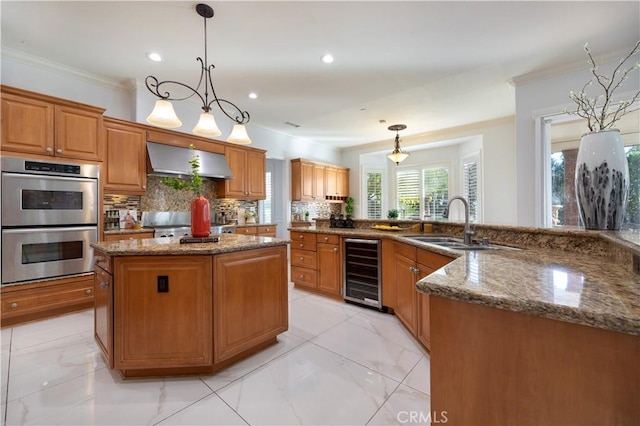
(104, 284)
(59, 151)
(326, 238)
(49, 149)
(88, 291)
(335, 249)
(301, 236)
(301, 245)
(301, 277)
(14, 305)
(268, 230)
(301, 258)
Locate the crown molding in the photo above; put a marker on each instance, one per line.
(36, 61)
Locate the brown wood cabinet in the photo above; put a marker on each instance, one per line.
(27, 302)
(259, 230)
(316, 262)
(248, 167)
(155, 302)
(329, 264)
(249, 311)
(125, 159)
(103, 310)
(132, 236)
(411, 306)
(312, 181)
(46, 126)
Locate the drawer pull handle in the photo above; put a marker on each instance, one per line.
(301, 258)
(59, 151)
(14, 305)
(88, 291)
(335, 249)
(301, 236)
(104, 284)
(301, 245)
(326, 238)
(49, 149)
(301, 276)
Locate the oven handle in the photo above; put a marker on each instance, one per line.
(48, 177)
(52, 229)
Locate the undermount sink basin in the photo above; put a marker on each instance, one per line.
(457, 243)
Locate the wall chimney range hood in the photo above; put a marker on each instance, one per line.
(168, 160)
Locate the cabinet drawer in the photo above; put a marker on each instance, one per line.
(432, 260)
(246, 230)
(37, 300)
(135, 236)
(102, 260)
(307, 237)
(303, 276)
(301, 245)
(267, 230)
(328, 238)
(303, 258)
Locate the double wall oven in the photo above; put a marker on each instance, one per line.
(49, 219)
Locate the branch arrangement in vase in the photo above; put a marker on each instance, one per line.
(601, 112)
(193, 183)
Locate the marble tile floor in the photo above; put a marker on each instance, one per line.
(339, 364)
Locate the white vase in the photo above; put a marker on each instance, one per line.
(602, 180)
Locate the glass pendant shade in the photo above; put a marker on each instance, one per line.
(239, 135)
(163, 115)
(398, 157)
(207, 126)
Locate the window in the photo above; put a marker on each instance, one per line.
(266, 205)
(471, 187)
(422, 192)
(374, 194)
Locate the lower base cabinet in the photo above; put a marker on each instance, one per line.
(28, 302)
(188, 314)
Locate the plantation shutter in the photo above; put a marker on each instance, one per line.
(374, 195)
(267, 203)
(408, 193)
(470, 182)
(435, 191)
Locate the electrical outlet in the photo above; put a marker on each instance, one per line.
(163, 284)
(636, 264)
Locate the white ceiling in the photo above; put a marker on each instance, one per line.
(430, 65)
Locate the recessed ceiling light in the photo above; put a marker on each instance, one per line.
(253, 95)
(327, 59)
(154, 56)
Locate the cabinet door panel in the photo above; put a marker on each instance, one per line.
(249, 311)
(329, 268)
(78, 133)
(125, 159)
(182, 334)
(406, 297)
(256, 167)
(331, 181)
(318, 181)
(342, 184)
(27, 125)
(103, 313)
(237, 162)
(307, 188)
(424, 314)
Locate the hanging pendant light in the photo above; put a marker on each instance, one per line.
(163, 114)
(398, 155)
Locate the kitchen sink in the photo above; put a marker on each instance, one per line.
(457, 243)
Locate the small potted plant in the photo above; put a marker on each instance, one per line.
(200, 212)
(306, 216)
(348, 208)
(392, 214)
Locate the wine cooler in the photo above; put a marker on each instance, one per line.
(362, 272)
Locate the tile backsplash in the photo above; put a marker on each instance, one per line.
(160, 197)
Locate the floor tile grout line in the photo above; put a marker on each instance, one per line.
(184, 408)
(5, 401)
(384, 402)
(232, 409)
(408, 374)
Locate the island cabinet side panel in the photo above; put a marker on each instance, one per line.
(162, 311)
(496, 367)
(250, 299)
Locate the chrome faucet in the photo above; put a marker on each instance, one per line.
(468, 233)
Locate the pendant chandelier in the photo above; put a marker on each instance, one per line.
(163, 114)
(398, 155)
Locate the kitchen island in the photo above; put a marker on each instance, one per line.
(163, 308)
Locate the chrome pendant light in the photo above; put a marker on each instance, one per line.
(398, 155)
(163, 114)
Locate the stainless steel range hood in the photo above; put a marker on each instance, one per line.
(167, 160)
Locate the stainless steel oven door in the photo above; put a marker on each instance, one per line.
(35, 200)
(41, 253)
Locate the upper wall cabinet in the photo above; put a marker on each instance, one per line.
(125, 158)
(46, 126)
(312, 181)
(248, 166)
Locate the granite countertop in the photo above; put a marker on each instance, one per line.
(168, 246)
(127, 231)
(580, 288)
